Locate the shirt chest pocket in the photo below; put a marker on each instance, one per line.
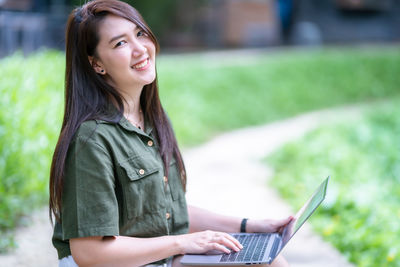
(142, 186)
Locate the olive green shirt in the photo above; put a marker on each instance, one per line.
(114, 184)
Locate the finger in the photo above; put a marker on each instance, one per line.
(290, 218)
(283, 222)
(235, 241)
(231, 243)
(226, 240)
(221, 235)
(221, 248)
(280, 230)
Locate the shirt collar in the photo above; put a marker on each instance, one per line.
(124, 123)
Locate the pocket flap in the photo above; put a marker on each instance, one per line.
(137, 167)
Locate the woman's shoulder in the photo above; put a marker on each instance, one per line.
(86, 128)
(95, 130)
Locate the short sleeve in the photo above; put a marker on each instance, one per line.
(89, 202)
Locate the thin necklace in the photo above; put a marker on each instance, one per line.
(137, 124)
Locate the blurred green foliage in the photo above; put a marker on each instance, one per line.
(155, 13)
(360, 214)
(203, 93)
(212, 92)
(30, 112)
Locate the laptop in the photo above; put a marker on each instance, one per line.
(261, 248)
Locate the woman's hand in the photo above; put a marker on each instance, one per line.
(201, 242)
(267, 226)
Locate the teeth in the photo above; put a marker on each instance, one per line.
(141, 65)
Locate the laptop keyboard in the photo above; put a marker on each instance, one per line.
(253, 248)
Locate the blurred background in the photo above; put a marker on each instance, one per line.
(236, 63)
(209, 24)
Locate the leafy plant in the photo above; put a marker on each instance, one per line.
(359, 216)
(31, 93)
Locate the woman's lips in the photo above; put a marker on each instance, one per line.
(142, 65)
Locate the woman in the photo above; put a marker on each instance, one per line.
(117, 179)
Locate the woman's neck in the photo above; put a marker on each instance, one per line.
(132, 109)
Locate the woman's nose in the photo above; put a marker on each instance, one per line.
(138, 49)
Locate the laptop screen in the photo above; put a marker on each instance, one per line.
(304, 213)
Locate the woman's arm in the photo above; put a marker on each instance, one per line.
(121, 250)
(201, 219)
(131, 251)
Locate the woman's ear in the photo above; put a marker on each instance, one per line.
(96, 65)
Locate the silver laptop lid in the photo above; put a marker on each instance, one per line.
(304, 213)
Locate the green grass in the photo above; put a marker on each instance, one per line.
(204, 94)
(30, 102)
(361, 213)
(207, 94)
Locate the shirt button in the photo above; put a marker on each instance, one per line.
(168, 215)
(141, 171)
(165, 179)
(150, 143)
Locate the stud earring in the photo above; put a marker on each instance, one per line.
(102, 71)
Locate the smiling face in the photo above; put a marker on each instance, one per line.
(125, 54)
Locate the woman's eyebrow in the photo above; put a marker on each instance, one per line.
(120, 36)
(116, 38)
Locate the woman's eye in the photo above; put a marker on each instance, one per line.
(141, 33)
(120, 43)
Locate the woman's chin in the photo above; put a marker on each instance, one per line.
(149, 81)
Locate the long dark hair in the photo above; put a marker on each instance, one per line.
(88, 95)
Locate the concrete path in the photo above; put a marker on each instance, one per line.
(34, 244)
(225, 175)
